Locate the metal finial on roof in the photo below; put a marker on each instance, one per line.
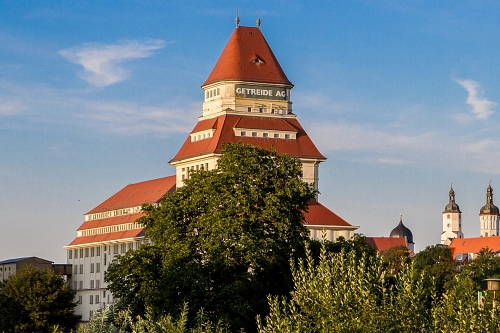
(237, 20)
(258, 20)
(401, 217)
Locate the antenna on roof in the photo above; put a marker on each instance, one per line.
(237, 20)
(258, 19)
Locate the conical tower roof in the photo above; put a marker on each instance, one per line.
(247, 57)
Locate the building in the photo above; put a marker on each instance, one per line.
(384, 243)
(452, 220)
(489, 216)
(109, 229)
(246, 99)
(11, 266)
(464, 250)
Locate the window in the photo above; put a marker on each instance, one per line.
(448, 216)
(115, 249)
(206, 166)
(75, 269)
(130, 246)
(254, 134)
(81, 268)
(91, 284)
(123, 248)
(261, 110)
(91, 299)
(104, 293)
(81, 253)
(70, 254)
(96, 299)
(98, 267)
(80, 299)
(98, 251)
(75, 285)
(91, 268)
(98, 283)
(265, 135)
(91, 314)
(276, 135)
(249, 109)
(287, 136)
(76, 254)
(81, 285)
(86, 252)
(104, 259)
(243, 133)
(92, 251)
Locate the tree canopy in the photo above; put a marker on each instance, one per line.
(35, 300)
(223, 241)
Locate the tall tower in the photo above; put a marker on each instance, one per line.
(489, 216)
(452, 220)
(246, 99)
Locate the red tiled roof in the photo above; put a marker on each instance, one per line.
(132, 195)
(383, 243)
(275, 124)
(204, 125)
(318, 214)
(474, 245)
(302, 146)
(247, 57)
(106, 222)
(108, 236)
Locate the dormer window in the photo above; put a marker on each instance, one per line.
(265, 135)
(254, 134)
(258, 60)
(243, 133)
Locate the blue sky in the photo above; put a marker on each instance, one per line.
(401, 96)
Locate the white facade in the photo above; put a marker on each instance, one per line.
(489, 225)
(452, 227)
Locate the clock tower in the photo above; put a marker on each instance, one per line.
(452, 220)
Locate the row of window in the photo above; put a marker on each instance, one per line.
(212, 93)
(94, 284)
(201, 136)
(262, 109)
(111, 213)
(186, 171)
(89, 252)
(266, 135)
(1, 269)
(114, 228)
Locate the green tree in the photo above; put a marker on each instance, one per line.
(42, 301)
(225, 239)
(486, 265)
(396, 257)
(344, 293)
(436, 263)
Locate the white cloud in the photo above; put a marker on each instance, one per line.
(11, 107)
(102, 63)
(481, 107)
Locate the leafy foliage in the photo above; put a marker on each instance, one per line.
(396, 257)
(222, 242)
(35, 300)
(102, 322)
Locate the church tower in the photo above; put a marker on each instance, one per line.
(401, 231)
(489, 216)
(246, 99)
(452, 220)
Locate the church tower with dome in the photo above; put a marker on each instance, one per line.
(489, 216)
(452, 220)
(401, 231)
